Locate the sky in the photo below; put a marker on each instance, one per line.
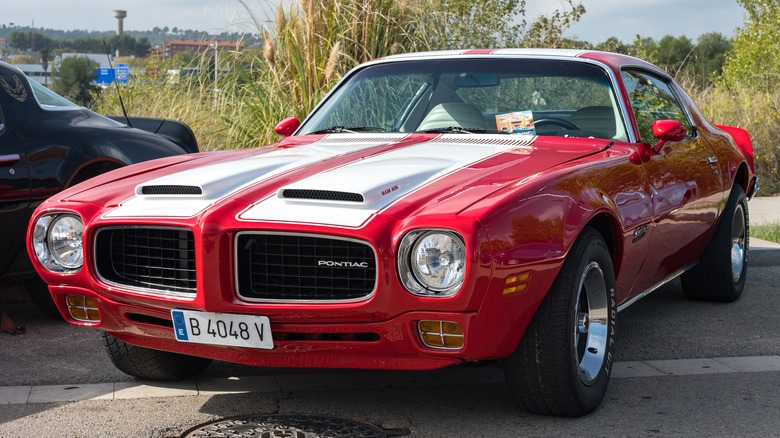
(604, 18)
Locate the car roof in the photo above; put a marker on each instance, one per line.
(614, 60)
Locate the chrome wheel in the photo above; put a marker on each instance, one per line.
(738, 237)
(590, 337)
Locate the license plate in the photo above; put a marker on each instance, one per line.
(222, 329)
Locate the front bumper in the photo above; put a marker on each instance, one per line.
(390, 344)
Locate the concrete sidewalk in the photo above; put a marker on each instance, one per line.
(764, 211)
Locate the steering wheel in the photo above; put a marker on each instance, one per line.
(556, 121)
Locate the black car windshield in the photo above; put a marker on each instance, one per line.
(49, 99)
(475, 95)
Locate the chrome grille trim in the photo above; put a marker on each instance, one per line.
(246, 297)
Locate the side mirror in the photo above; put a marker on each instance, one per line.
(286, 127)
(668, 130)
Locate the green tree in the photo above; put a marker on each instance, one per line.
(73, 79)
(494, 23)
(753, 60)
(45, 58)
(706, 60)
(24, 40)
(672, 53)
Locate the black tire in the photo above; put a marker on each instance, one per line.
(722, 270)
(38, 291)
(560, 368)
(149, 364)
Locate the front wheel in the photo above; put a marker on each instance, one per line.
(149, 364)
(563, 363)
(722, 269)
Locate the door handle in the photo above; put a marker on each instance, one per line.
(12, 158)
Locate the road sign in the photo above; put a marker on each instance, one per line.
(122, 73)
(104, 76)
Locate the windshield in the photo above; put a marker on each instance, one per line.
(475, 95)
(49, 99)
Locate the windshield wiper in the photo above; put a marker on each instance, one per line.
(349, 129)
(457, 129)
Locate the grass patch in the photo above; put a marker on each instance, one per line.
(766, 232)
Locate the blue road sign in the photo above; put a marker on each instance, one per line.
(122, 73)
(104, 76)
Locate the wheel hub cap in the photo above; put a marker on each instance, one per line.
(738, 239)
(590, 337)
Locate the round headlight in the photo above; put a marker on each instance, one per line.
(39, 240)
(64, 241)
(436, 260)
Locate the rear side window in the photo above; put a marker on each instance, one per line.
(652, 99)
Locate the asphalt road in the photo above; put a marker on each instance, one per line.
(458, 402)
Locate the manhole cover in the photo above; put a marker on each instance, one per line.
(291, 426)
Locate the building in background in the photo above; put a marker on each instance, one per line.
(35, 72)
(172, 47)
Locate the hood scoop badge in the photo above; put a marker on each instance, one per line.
(169, 190)
(321, 195)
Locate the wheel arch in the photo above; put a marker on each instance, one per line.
(92, 169)
(741, 177)
(609, 229)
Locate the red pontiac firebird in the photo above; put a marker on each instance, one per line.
(434, 209)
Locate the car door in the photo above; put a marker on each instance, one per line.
(685, 185)
(14, 194)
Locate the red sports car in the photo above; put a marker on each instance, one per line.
(434, 209)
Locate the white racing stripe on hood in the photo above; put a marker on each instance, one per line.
(218, 181)
(380, 181)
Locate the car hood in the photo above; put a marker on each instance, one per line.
(339, 180)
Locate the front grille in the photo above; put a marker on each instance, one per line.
(295, 267)
(322, 195)
(155, 259)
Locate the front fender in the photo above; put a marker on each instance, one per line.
(175, 131)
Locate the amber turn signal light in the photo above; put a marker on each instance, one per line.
(82, 308)
(445, 335)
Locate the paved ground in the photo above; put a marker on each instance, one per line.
(764, 210)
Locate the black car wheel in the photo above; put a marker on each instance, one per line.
(563, 363)
(722, 270)
(149, 364)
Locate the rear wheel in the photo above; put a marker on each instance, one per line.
(563, 363)
(149, 364)
(722, 270)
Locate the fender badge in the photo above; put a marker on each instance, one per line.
(18, 91)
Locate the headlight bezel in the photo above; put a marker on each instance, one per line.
(43, 242)
(409, 270)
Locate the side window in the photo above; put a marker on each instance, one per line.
(652, 99)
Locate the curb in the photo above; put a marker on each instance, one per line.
(764, 253)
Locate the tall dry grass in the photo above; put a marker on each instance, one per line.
(311, 44)
(307, 49)
(758, 113)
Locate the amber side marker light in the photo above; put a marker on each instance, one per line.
(517, 283)
(82, 308)
(441, 334)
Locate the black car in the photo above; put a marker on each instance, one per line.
(48, 143)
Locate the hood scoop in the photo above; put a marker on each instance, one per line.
(171, 190)
(322, 195)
